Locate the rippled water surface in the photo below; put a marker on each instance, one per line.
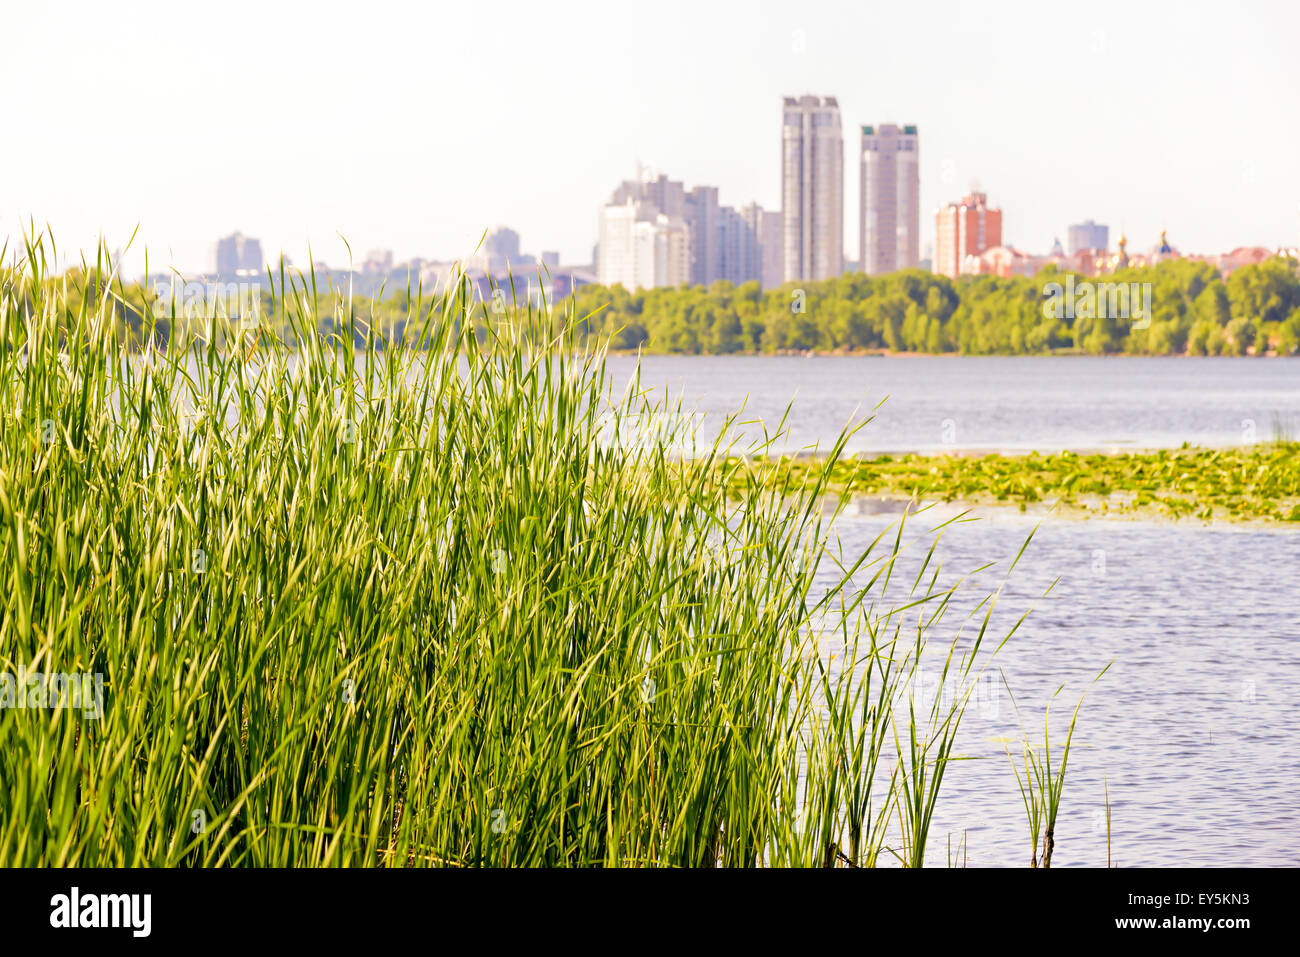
(989, 402)
(1195, 725)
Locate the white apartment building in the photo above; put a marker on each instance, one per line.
(655, 232)
(812, 188)
(641, 247)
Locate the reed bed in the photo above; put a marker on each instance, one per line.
(429, 600)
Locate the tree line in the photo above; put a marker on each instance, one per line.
(1193, 310)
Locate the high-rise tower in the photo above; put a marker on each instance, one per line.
(889, 234)
(812, 188)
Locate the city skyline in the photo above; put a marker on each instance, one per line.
(1123, 139)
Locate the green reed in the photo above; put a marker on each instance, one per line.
(434, 598)
(1042, 785)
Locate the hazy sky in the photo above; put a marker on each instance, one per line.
(415, 126)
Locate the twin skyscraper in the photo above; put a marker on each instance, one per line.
(812, 193)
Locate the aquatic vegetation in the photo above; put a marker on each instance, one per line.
(1257, 482)
(1041, 786)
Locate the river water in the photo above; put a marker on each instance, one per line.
(1014, 403)
(1196, 726)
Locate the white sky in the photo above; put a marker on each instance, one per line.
(415, 126)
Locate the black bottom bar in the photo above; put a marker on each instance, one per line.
(334, 908)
